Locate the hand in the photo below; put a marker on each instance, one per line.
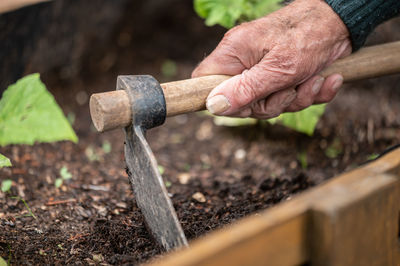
(275, 61)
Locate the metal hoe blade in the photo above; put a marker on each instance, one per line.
(150, 192)
(148, 185)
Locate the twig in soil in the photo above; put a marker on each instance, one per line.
(51, 203)
(77, 236)
(26, 206)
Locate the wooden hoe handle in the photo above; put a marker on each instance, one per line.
(112, 109)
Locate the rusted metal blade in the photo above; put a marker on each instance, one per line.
(150, 192)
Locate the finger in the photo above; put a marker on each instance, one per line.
(306, 93)
(243, 113)
(329, 89)
(224, 59)
(254, 84)
(219, 62)
(273, 105)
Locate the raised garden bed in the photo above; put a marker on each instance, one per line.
(239, 171)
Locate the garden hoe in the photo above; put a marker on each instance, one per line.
(141, 103)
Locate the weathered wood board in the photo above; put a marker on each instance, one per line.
(353, 219)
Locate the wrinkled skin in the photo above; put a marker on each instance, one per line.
(275, 60)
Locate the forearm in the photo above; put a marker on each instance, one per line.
(362, 16)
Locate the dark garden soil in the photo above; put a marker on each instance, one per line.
(215, 174)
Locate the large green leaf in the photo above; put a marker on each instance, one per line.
(259, 8)
(223, 12)
(4, 161)
(227, 12)
(233, 121)
(304, 121)
(29, 114)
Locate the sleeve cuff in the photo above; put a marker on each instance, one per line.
(362, 16)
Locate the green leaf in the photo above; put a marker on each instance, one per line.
(106, 146)
(29, 114)
(233, 121)
(169, 68)
(302, 157)
(161, 169)
(58, 182)
(3, 262)
(335, 149)
(227, 12)
(168, 184)
(304, 121)
(223, 12)
(6, 185)
(64, 173)
(260, 8)
(4, 161)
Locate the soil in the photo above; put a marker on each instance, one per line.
(93, 217)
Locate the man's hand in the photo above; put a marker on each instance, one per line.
(275, 62)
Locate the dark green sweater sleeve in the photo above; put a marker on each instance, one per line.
(362, 16)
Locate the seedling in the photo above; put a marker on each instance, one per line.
(302, 157)
(334, 150)
(168, 184)
(6, 185)
(91, 154)
(4, 161)
(30, 213)
(64, 175)
(106, 146)
(161, 169)
(169, 68)
(372, 157)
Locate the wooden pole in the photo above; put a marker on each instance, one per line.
(112, 109)
(9, 5)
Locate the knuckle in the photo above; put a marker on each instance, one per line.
(245, 91)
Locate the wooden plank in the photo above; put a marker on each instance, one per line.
(9, 5)
(278, 237)
(313, 225)
(358, 224)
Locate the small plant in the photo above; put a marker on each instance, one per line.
(229, 12)
(169, 68)
(106, 146)
(372, 157)
(64, 175)
(4, 161)
(6, 185)
(91, 154)
(161, 169)
(302, 157)
(29, 114)
(30, 213)
(168, 184)
(334, 150)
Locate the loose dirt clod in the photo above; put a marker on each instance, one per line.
(199, 197)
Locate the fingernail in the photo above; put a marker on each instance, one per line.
(218, 104)
(317, 85)
(338, 83)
